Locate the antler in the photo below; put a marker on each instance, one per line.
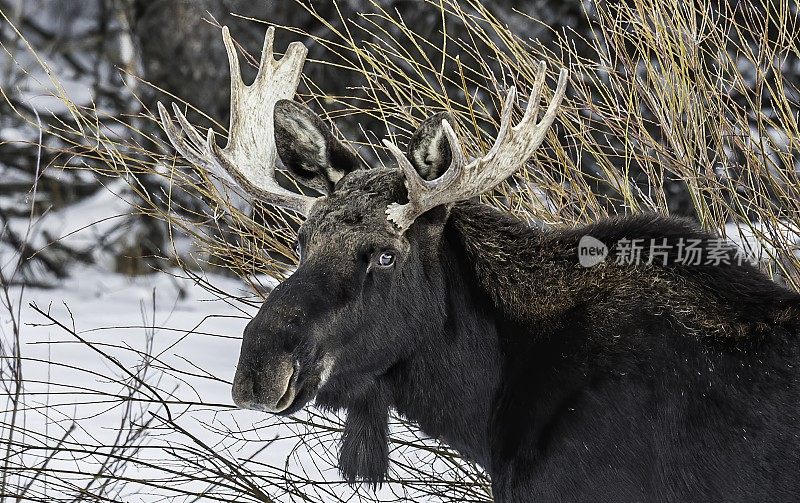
(461, 181)
(249, 156)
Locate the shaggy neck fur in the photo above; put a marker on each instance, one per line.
(501, 331)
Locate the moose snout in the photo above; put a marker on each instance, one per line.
(271, 387)
(278, 363)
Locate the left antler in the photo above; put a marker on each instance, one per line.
(462, 181)
(250, 154)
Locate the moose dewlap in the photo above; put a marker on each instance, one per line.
(566, 379)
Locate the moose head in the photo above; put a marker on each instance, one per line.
(371, 285)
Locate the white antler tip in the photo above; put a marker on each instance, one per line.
(563, 77)
(162, 112)
(296, 50)
(267, 50)
(457, 154)
(226, 38)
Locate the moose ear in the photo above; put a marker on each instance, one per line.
(428, 149)
(309, 150)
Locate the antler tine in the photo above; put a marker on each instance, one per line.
(552, 110)
(417, 186)
(233, 59)
(405, 165)
(513, 146)
(179, 140)
(532, 110)
(250, 153)
(505, 123)
(267, 54)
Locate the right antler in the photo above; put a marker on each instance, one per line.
(249, 157)
(461, 181)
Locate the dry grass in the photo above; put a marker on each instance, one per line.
(664, 91)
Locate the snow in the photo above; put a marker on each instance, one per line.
(81, 224)
(756, 240)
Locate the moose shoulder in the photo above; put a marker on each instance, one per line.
(651, 380)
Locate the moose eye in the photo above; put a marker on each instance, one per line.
(385, 259)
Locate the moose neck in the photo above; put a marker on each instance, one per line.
(449, 385)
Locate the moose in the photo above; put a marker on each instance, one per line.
(657, 380)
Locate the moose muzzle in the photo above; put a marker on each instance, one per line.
(269, 387)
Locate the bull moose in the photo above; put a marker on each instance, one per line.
(648, 381)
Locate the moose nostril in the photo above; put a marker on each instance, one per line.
(290, 340)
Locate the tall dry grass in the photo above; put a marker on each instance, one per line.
(664, 95)
(663, 91)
